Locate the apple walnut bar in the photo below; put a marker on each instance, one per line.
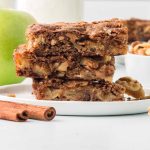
(70, 67)
(58, 89)
(89, 39)
(138, 29)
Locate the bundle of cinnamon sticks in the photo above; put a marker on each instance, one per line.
(21, 112)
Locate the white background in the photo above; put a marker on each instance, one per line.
(102, 9)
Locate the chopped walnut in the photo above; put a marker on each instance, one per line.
(63, 66)
(53, 42)
(61, 38)
(89, 63)
(147, 52)
(140, 48)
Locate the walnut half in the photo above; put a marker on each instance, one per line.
(133, 87)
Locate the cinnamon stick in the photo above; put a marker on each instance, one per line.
(13, 114)
(34, 112)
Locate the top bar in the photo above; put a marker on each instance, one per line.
(87, 39)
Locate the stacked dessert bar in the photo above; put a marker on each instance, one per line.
(73, 61)
(138, 29)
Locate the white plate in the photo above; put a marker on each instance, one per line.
(23, 95)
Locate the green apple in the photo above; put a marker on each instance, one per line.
(13, 25)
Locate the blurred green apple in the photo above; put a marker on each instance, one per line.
(13, 24)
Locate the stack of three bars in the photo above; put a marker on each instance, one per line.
(73, 61)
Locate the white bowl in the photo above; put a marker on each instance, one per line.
(120, 59)
(138, 67)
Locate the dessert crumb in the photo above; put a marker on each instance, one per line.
(11, 95)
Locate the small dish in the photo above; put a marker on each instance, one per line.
(120, 59)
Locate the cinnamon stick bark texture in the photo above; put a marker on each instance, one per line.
(40, 112)
(34, 112)
(13, 114)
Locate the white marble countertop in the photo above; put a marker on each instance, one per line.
(130, 132)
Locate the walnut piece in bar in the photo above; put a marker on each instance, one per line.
(101, 38)
(71, 67)
(76, 90)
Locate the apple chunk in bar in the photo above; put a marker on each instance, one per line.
(70, 67)
(89, 39)
(58, 89)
